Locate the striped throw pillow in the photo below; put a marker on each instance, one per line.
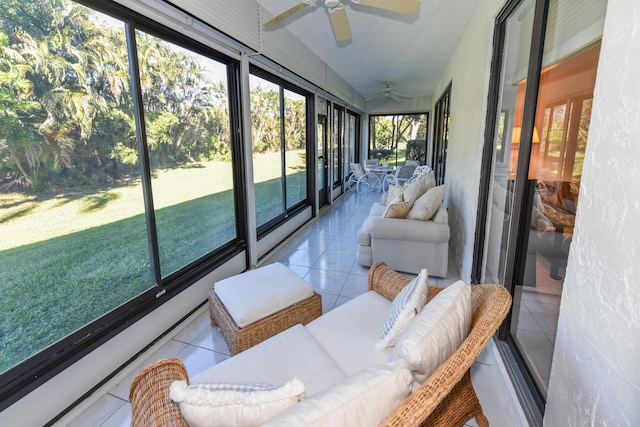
(227, 404)
(405, 306)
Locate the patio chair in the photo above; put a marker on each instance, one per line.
(369, 163)
(362, 178)
(420, 170)
(402, 175)
(412, 163)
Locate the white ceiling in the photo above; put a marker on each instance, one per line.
(412, 52)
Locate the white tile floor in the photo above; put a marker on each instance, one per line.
(324, 253)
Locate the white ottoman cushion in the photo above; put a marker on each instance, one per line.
(259, 293)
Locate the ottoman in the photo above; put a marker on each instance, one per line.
(258, 304)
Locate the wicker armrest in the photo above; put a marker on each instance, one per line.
(149, 395)
(447, 397)
(388, 282)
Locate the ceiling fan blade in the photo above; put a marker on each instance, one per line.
(286, 14)
(406, 7)
(340, 23)
(402, 95)
(395, 97)
(371, 98)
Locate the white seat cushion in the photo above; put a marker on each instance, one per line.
(293, 353)
(377, 209)
(349, 332)
(363, 236)
(259, 293)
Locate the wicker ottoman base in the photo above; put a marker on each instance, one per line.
(240, 339)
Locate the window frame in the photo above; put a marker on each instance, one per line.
(441, 122)
(280, 219)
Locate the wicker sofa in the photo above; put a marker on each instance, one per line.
(445, 398)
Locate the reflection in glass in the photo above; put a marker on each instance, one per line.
(518, 29)
(558, 142)
(564, 109)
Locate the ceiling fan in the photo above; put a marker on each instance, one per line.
(338, 13)
(388, 91)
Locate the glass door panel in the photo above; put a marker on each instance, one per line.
(564, 108)
(323, 162)
(518, 29)
(336, 145)
(535, 176)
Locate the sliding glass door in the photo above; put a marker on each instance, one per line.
(538, 133)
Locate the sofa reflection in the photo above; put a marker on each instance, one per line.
(553, 215)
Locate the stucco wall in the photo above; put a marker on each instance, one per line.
(468, 72)
(595, 376)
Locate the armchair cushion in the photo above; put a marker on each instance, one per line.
(293, 353)
(230, 404)
(425, 207)
(437, 331)
(353, 347)
(406, 230)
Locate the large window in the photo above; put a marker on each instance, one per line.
(351, 143)
(398, 138)
(441, 122)
(279, 135)
(186, 113)
(116, 177)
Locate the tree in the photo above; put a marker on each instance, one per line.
(52, 51)
(67, 111)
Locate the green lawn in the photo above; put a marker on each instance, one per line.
(79, 254)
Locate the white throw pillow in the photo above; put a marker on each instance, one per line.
(425, 207)
(204, 405)
(414, 190)
(405, 306)
(395, 194)
(437, 332)
(363, 399)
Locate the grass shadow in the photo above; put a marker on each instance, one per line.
(18, 213)
(98, 201)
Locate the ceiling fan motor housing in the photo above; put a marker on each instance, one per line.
(331, 3)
